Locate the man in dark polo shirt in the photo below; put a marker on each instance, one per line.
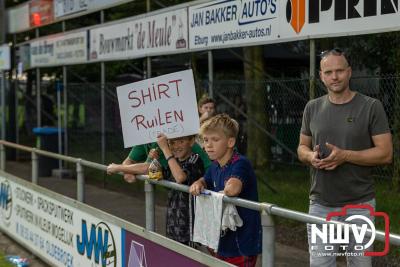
(343, 135)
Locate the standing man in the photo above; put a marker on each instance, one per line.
(343, 135)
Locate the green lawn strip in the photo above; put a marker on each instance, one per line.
(4, 262)
(292, 186)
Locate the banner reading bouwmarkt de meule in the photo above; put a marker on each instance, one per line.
(222, 23)
(152, 35)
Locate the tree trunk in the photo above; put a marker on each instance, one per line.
(396, 128)
(258, 145)
(200, 91)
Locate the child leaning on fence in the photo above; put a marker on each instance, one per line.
(232, 174)
(184, 167)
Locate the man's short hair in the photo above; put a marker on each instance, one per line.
(205, 100)
(222, 122)
(335, 52)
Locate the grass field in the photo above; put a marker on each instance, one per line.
(4, 262)
(293, 184)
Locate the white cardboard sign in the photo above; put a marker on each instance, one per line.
(164, 104)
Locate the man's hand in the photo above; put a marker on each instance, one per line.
(315, 161)
(336, 158)
(196, 188)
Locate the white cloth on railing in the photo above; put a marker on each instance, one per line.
(212, 216)
(207, 219)
(230, 218)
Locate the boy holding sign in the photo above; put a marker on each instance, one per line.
(183, 167)
(163, 104)
(138, 157)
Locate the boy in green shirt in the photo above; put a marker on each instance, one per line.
(139, 154)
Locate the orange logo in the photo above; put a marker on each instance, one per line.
(296, 13)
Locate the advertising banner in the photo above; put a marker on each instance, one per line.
(165, 104)
(98, 4)
(68, 7)
(233, 23)
(64, 232)
(153, 35)
(64, 235)
(41, 12)
(18, 18)
(56, 50)
(303, 19)
(5, 63)
(23, 56)
(139, 251)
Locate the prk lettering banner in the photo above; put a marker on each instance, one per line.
(165, 104)
(307, 19)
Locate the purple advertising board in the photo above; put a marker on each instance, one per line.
(140, 252)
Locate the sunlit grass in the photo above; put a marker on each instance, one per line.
(293, 184)
(4, 262)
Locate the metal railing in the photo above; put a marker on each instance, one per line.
(267, 210)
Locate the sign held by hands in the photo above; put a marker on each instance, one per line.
(164, 104)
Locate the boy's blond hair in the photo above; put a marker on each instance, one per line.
(222, 122)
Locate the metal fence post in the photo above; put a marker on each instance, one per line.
(35, 167)
(268, 241)
(2, 157)
(149, 193)
(80, 182)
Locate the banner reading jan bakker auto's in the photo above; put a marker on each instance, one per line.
(153, 35)
(59, 49)
(232, 23)
(249, 22)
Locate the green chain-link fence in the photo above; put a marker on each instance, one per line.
(285, 103)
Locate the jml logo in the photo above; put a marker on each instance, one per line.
(5, 201)
(101, 241)
(342, 9)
